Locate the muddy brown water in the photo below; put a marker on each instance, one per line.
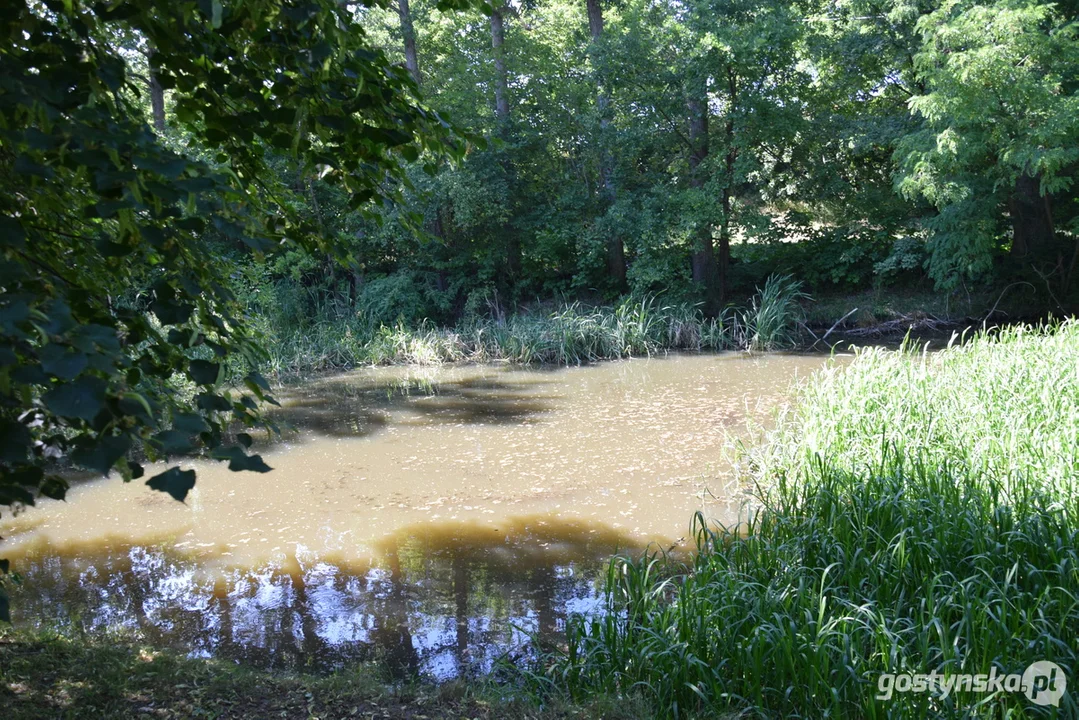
(437, 519)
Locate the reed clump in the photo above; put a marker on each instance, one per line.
(914, 513)
(569, 334)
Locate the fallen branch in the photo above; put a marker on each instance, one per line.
(837, 324)
(901, 324)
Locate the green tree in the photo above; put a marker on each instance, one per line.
(1000, 141)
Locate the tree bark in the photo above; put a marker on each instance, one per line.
(702, 257)
(412, 62)
(157, 95)
(412, 59)
(498, 39)
(616, 250)
(502, 116)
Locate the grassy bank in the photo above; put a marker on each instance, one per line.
(916, 514)
(51, 676)
(566, 334)
(779, 316)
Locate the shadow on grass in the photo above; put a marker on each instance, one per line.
(49, 676)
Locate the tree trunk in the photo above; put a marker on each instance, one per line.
(724, 260)
(412, 60)
(702, 257)
(312, 647)
(225, 635)
(498, 39)
(502, 115)
(355, 285)
(157, 95)
(391, 633)
(616, 251)
(1032, 221)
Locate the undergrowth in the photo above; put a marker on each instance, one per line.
(571, 334)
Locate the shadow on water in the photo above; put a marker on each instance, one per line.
(357, 405)
(439, 600)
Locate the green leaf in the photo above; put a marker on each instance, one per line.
(102, 453)
(65, 363)
(29, 476)
(204, 372)
(13, 314)
(174, 481)
(259, 381)
(212, 403)
(136, 405)
(190, 423)
(11, 233)
(12, 494)
(171, 311)
(59, 316)
(54, 487)
(82, 398)
(15, 440)
(90, 337)
(174, 442)
(25, 166)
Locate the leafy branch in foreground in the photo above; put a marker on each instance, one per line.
(108, 296)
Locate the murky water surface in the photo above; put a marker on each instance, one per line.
(435, 518)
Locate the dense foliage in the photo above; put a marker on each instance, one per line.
(692, 149)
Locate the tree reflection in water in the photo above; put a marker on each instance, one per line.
(439, 599)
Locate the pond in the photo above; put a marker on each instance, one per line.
(436, 519)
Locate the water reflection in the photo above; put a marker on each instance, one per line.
(438, 600)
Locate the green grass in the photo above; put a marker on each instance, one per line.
(914, 513)
(1002, 408)
(56, 676)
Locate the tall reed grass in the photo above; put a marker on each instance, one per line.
(916, 513)
(776, 314)
(567, 335)
(571, 334)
